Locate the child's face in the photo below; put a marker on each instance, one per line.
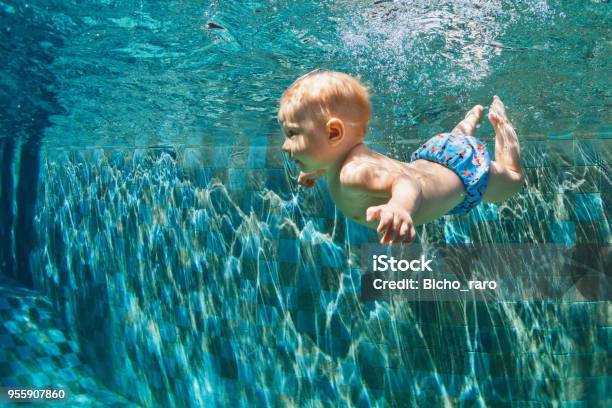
(306, 141)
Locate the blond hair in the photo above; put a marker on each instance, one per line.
(327, 94)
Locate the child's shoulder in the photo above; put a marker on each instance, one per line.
(351, 171)
(354, 162)
(363, 169)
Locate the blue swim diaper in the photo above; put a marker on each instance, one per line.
(465, 155)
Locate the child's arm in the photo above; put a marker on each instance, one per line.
(396, 215)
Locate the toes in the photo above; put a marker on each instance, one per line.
(497, 101)
(476, 111)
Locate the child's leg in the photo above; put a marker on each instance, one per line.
(468, 125)
(506, 174)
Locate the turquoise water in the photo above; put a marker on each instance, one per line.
(144, 197)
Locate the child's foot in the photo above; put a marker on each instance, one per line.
(469, 124)
(497, 112)
(507, 148)
(476, 112)
(506, 174)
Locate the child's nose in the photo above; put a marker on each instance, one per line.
(285, 147)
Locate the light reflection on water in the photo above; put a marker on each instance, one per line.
(186, 290)
(189, 281)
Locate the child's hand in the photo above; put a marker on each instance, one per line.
(395, 221)
(308, 179)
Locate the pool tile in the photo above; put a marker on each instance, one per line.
(330, 278)
(563, 232)
(539, 179)
(257, 157)
(588, 178)
(288, 231)
(605, 153)
(308, 300)
(259, 141)
(190, 159)
(605, 235)
(308, 277)
(306, 322)
(586, 152)
(274, 158)
(588, 232)
(288, 273)
(588, 206)
(250, 246)
(238, 158)
(220, 174)
(252, 201)
(235, 179)
(457, 232)
(311, 201)
(248, 269)
(562, 205)
(221, 157)
(349, 373)
(274, 179)
(289, 250)
(560, 153)
(215, 243)
(357, 233)
(332, 256)
(255, 180)
(534, 154)
(318, 223)
(605, 132)
(203, 176)
(484, 212)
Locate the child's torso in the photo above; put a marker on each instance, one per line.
(441, 188)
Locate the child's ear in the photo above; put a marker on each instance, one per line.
(335, 130)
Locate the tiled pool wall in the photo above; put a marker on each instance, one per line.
(193, 275)
(35, 351)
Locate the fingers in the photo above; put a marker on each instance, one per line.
(386, 221)
(406, 234)
(395, 227)
(373, 213)
(391, 229)
(305, 180)
(307, 183)
(397, 231)
(410, 236)
(385, 225)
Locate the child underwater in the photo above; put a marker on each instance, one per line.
(325, 116)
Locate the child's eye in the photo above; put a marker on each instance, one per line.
(291, 133)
